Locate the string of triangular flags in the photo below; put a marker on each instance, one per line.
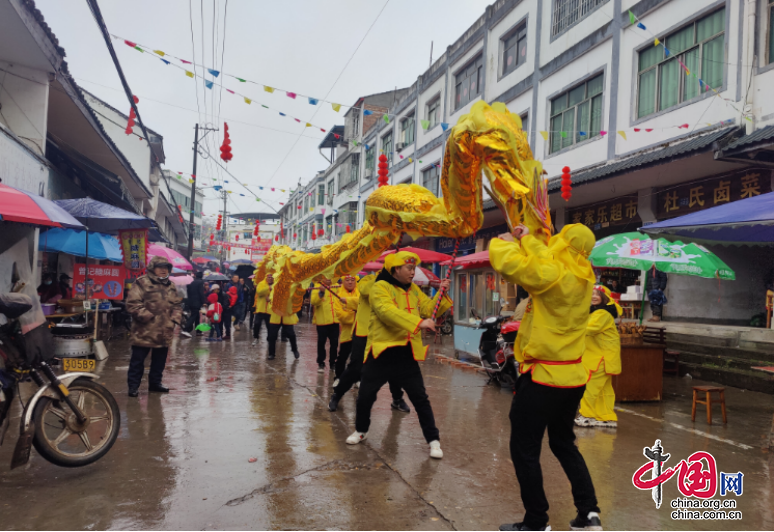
(623, 132)
(703, 85)
(294, 95)
(211, 84)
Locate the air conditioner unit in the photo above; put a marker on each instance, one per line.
(329, 199)
(369, 173)
(400, 145)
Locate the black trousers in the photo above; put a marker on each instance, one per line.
(137, 365)
(260, 319)
(351, 375)
(397, 365)
(327, 333)
(193, 319)
(345, 349)
(226, 321)
(288, 330)
(657, 310)
(534, 409)
(238, 311)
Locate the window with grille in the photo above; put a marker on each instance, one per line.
(321, 195)
(387, 147)
(356, 123)
(569, 12)
(331, 190)
(430, 179)
(407, 130)
(354, 168)
(664, 83)
(468, 83)
(306, 205)
(370, 162)
(770, 14)
(576, 115)
(433, 111)
(514, 46)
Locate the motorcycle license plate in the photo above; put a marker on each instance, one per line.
(78, 364)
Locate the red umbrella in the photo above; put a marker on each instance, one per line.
(425, 255)
(424, 277)
(24, 207)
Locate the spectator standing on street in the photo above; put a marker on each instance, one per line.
(552, 338)
(249, 291)
(225, 300)
(156, 312)
(196, 298)
(655, 284)
(215, 315)
(238, 308)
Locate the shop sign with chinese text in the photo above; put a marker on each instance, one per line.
(134, 245)
(685, 199)
(105, 282)
(618, 211)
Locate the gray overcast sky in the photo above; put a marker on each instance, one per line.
(299, 45)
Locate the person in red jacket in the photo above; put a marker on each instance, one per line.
(215, 315)
(233, 295)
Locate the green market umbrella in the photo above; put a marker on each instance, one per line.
(635, 251)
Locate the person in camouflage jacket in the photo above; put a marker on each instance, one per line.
(157, 313)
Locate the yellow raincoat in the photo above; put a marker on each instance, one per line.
(276, 319)
(324, 307)
(363, 318)
(603, 360)
(346, 313)
(395, 317)
(560, 279)
(262, 297)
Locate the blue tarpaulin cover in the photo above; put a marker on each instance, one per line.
(748, 221)
(101, 246)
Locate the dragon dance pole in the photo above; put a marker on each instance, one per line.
(448, 274)
(334, 293)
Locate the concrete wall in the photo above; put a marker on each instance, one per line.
(24, 104)
(723, 302)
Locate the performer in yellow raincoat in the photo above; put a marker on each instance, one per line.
(262, 299)
(284, 323)
(327, 323)
(603, 360)
(351, 375)
(399, 312)
(560, 280)
(346, 311)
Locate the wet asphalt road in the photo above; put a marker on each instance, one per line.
(181, 460)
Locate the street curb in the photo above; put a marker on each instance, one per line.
(465, 366)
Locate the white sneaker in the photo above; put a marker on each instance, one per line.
(583, 421)
(335, 383)
(356, 437)
(255, 341)
(186, 334)
(237, 327)
(435, 450)
(357, 385)
(606, 424)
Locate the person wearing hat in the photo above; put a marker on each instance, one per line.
(603, 360)
(327, 325)
(346, 311)
(352, 373)
(399, 312)
(157, 311)
(64, 287)
(560, 280)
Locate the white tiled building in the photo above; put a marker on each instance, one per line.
(578, 72)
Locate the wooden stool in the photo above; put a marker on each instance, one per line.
(672, 358)
(709, 390)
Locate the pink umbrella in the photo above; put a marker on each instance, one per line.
(175, 258)
(181, 280)
(373, 266)
(425, 255)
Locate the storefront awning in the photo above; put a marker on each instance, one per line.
(474, 260)
(745, 222)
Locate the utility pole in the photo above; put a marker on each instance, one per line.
(193, 187)
(224, 238)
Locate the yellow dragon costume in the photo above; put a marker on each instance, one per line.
(489, 138)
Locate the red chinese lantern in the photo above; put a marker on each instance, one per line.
(132, 116)
(566, 183)
(314, 237)
(276, 238)
(225, 149)
(349, 229)
(320, 233)
(383, 172)
(219, 222)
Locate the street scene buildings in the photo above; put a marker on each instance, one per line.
(124, 225)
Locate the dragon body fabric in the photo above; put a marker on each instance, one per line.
(488, 139)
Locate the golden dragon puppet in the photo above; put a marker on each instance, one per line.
(489, 138)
